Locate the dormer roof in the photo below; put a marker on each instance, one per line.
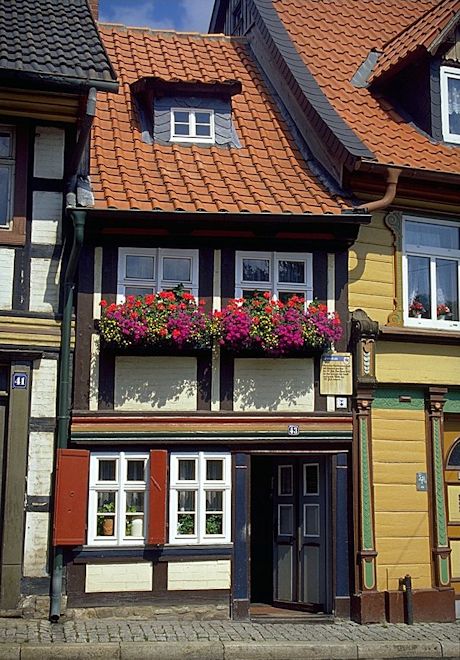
(425, 34)
(266, 174)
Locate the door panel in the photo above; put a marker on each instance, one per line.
(300, 524)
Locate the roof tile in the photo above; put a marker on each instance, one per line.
(267, 174)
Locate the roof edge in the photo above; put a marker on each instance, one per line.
(309, 87)
(30, 79)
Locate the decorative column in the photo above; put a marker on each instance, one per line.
(394, 222)
(435, 404)
(367, 604)
(240, 598)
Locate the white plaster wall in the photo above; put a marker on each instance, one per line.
(44, 378)
(49, 152)
(36, 544)
(155, 383)
(118, 577)
(273, 384)
(199, 575)
(40, 463)
(44, 285)
(7, 276)
(46, 217)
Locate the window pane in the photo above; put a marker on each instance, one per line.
(214, 500)
(310, 479)
(140, 268)
(138, 290)
(134, 502)
(285, 480)
(186, 500)
(285, 522)
(425, 234)
(447, 289)
(181, 129)
(214, 523)
(181, 116)
(311, 520)
(454, 458)
(187, 469)
(5, 144)
(291, 271)
(419, 287)
(107, 470)
(256, 270)
(203, 130)
(203, 117)
(176, 269)
(453, 94)
(135, 471)
(5, 174)
(106, 508)
(214, 470)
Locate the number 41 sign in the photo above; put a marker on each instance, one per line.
(20, 380)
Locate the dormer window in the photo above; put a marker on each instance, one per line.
(450, 104)
(192, 125)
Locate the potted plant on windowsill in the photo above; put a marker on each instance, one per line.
(416, 309)
(442, 311)
(165, 322)
(261, 325)
(105, 524)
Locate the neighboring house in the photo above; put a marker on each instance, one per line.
(51, 64)
(374, 89)
(188, 475)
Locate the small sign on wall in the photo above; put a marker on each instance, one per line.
(20, 380)
(336, 375)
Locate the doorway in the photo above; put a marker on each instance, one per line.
(290, 532)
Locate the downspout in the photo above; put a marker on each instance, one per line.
(63, 395)
(388, 198)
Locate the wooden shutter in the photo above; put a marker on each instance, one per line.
(158, 497)
(71, 497)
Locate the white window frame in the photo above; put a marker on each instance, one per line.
(10, 163)
(200, 485)
(192, 136)
(120, 487)
(446, 73)
(273, 285)
(432, 254)
(158, 283)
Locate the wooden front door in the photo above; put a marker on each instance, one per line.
(300, 554)
(452, 481)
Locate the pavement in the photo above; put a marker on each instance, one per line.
(140, 639)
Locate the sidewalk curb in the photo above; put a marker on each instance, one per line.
(228, 650)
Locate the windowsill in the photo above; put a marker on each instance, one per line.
(15, 234)
(420, 334)
(88, 554)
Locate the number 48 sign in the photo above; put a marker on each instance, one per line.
(20, 380)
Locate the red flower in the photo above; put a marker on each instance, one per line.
(103, 303)
(267, 295)
(175, 333)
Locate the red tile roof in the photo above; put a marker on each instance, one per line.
(420, 34)
(268, 174)
(334, 37)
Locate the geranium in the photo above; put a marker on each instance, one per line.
(442, 309)
(416, 308)
(165, 319)
(266, 325)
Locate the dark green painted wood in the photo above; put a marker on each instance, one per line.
(15, 481)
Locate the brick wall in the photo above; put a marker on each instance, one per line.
(94, 6)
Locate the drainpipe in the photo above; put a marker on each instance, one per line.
(388, 198)
(63, 395)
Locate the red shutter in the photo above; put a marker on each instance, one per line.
(158, 497)
(71, 497)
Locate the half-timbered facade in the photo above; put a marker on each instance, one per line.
(188, 472)
(51, 66)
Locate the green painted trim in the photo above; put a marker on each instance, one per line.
(452, 404)
(366, 501)
(444, 570)
(368, 573)
(215, 435)
(441, 524)
(388, 399)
